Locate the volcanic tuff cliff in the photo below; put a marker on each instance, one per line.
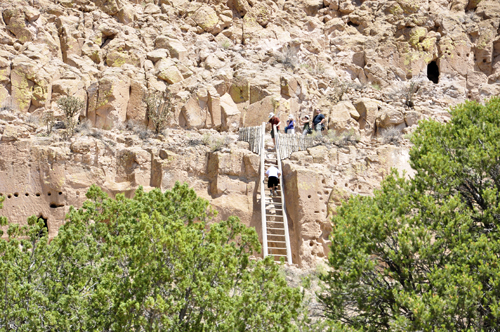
(228, 64)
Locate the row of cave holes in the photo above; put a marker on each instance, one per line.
(335, 183)
(52, 205)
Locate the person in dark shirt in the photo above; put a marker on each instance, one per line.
(274, 120)
(318, 121)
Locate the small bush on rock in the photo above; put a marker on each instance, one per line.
(159, 109)
(391, 135)
(71, 107)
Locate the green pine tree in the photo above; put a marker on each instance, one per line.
(155, 262)
(423, 253)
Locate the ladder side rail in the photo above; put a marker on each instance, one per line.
(285, 219)
(263, 191)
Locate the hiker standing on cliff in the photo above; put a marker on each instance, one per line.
(318, 121)
(290, 125)
(306, 128)
(274, 120)
(273, 180)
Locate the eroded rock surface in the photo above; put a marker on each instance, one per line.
(373, 67)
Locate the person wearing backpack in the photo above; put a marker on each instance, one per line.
(318, 121)
(306, 127)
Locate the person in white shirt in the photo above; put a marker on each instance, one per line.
(273, 181)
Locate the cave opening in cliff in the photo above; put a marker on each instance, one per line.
(45, 225)
(433, 72)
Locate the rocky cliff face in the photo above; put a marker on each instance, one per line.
(374, 67)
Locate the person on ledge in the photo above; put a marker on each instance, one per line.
(290, 125)
(318, 121)
(274, 120)
(306, 128)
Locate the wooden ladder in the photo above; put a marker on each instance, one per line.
(275, 236)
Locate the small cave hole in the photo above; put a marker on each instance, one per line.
(26, 194)
(349, 23)
(55, 206)
(359, 187)
(48, 194)
(346, 184)
(1, 194)
(106, 40)
(335, 182)
(323, 181)
(309, 196)
(60, 193)
(37, 194)
(433, 72)
(484, 60)
(9, 196)
(311, 243)
(16, 194)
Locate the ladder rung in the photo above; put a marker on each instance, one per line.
(276, 242)
(278, 222)
(278, 229)
(268, 208)
(274, 215)
(277, 255)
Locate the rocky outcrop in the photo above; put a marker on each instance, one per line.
(372, 67)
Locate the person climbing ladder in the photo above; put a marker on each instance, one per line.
(273, 180)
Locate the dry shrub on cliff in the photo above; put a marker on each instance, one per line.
(391, 136)
(215, 143)
(71, 107)
(405, 92)
(48, 121)
(138, 128)
(288, 56)
(159, 109)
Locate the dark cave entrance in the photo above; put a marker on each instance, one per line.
(45, 225)
(433, 72)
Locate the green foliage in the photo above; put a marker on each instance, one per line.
(422, 254)
(71, 107)
(152, 263)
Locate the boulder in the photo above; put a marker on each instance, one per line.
(174, 46)
(367, 110)
(157, 55)
(258, 112)
(170, 74)
(193, 115)
(389, 117)
(230, 114)
(289, 86)
(15, 20)
(343, 117)
(111, 102)
(206, 18)
(412, 118)
(214, 108)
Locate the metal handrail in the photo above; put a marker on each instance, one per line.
(285, 219)
(262, 189)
